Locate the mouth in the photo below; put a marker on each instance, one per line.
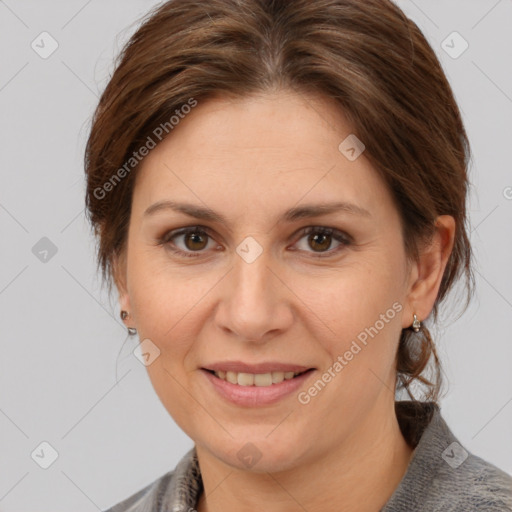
(256, 385)
(267, 379)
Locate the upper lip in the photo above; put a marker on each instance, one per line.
(257, 368)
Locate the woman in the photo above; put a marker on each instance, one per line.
(279, 193)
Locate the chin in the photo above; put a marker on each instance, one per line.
(260, 453)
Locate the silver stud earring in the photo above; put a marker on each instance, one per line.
(416, 324)
(131, 330)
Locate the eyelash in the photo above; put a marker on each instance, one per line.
(338, 235)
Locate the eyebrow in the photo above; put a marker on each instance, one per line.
(293, 214)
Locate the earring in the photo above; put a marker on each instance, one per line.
(131, 330)
(416, 324)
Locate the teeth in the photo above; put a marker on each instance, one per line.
(231, 377)
(255, 379)
(277, 377)
(245, 379)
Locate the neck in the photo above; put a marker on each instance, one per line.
(359, 475)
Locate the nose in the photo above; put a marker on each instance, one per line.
(255, 303)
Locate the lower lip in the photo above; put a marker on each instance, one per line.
(254, 396)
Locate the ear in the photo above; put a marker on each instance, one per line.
(427, 273)
(119, 276)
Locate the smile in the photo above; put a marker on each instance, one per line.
(256, 379)
(267, 384)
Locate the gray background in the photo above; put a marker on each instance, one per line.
(68, 376)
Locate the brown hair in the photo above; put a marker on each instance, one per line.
(367, 56)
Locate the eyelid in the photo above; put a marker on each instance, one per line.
(185, 230)
(325, 230)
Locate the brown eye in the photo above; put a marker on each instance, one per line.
(320, 239)
(194, 241)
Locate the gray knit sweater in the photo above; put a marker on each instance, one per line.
(441, 477)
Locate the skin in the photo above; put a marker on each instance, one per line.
(251, 160)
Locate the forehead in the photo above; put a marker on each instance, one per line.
(258, 151)
(275, 122)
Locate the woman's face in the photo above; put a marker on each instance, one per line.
(265, 291)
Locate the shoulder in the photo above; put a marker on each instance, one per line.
(146, 499)
(443, 476)
(463, 481)
(178, 489)
(474, 485)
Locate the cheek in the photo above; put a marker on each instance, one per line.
(167, 309)
(163, 301)
(167, 306)
(354, 298)
(362, 308)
